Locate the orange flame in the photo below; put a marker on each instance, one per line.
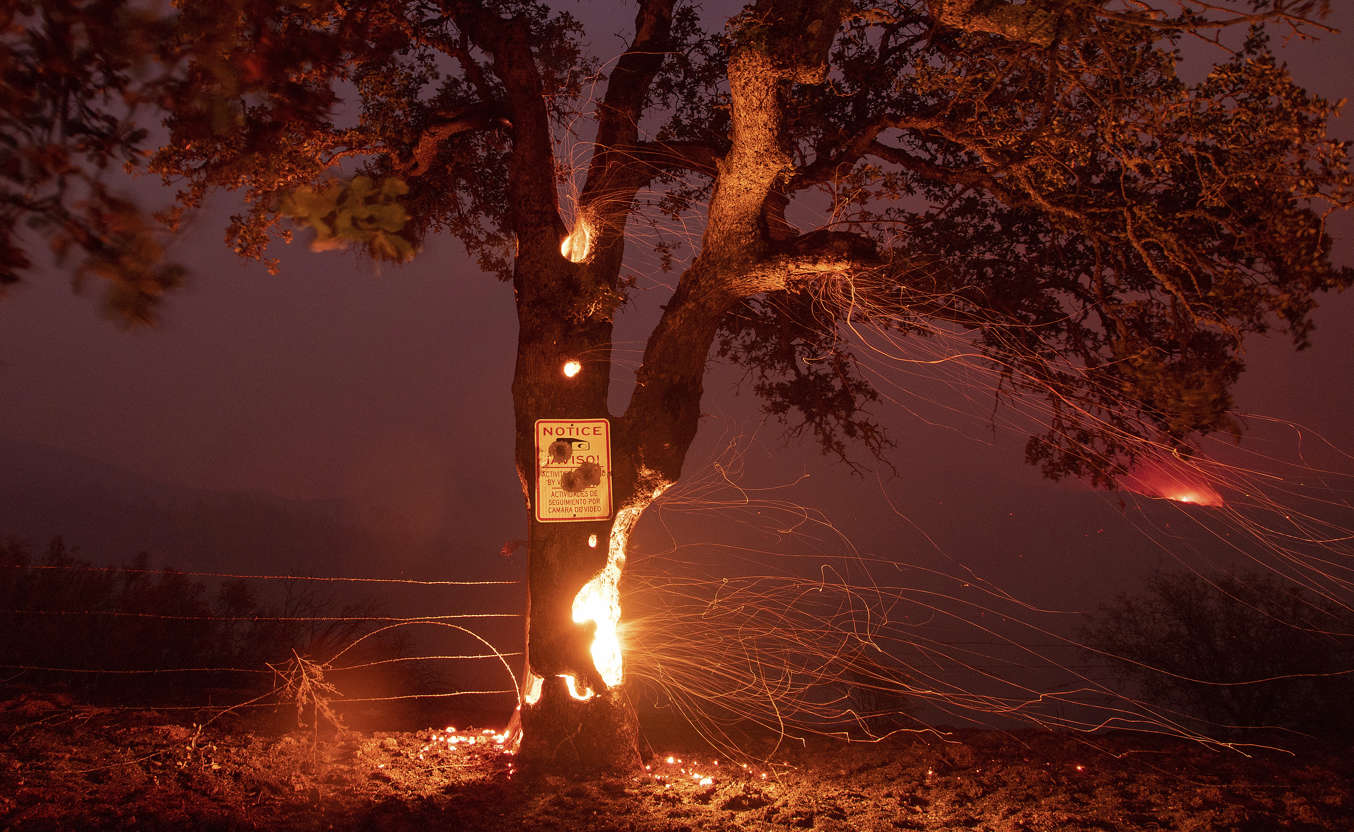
(599, 601)
(577, 247)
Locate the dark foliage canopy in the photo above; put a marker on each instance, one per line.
(1036, 177)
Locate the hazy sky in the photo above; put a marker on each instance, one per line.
(389, 388)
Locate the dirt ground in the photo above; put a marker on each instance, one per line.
(68, 768)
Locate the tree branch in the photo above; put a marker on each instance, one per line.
(1301, 14)
(615, 173)
(531, 175)
(828, 165)
(776, 43)
(1025, 22)
(808, 257)
(1025, 196)
(467, 120)
(620, 111)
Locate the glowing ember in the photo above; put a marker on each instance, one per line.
(441, 744)
(577, 247)
(532, 694)
(572, 367)
(583, 694)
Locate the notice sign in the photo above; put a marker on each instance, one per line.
(573, 469)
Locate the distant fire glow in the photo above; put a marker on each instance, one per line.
(1160, 479)
(572, 367)
(577, 247)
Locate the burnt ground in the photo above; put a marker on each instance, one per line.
(63, 767)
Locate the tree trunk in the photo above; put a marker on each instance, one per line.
(562, 734)
(574, 717)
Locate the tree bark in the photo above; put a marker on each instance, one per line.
(575, 716)
(560, 732)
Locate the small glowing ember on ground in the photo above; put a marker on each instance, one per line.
(572, 367)
(673, 769)
(449, 741)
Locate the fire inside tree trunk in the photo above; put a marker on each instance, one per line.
(575, 717)
(575, 714)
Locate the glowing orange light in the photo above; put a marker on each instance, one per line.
(1194, 496)
(572, 367)
(599, 601)
(592, 541)
(532, 694)
(1169, 481)
(582, 695)
(577, 247)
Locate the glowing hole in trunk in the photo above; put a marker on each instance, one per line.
(572, 684)
(577, 247)
(532, 694)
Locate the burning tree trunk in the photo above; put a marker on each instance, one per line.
(568, 287)
(587, 477)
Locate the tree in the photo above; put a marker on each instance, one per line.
(1034, 176)
(1239, 651)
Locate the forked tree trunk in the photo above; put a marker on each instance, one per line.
(564, 315)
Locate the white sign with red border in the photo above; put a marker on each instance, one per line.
(573, 470)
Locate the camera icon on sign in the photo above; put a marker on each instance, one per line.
(563, 448)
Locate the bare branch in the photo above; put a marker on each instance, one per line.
(1024, 196)
(450, 124)
(849, 150)
(620, 111)
(810, 256)
(1296, 14)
